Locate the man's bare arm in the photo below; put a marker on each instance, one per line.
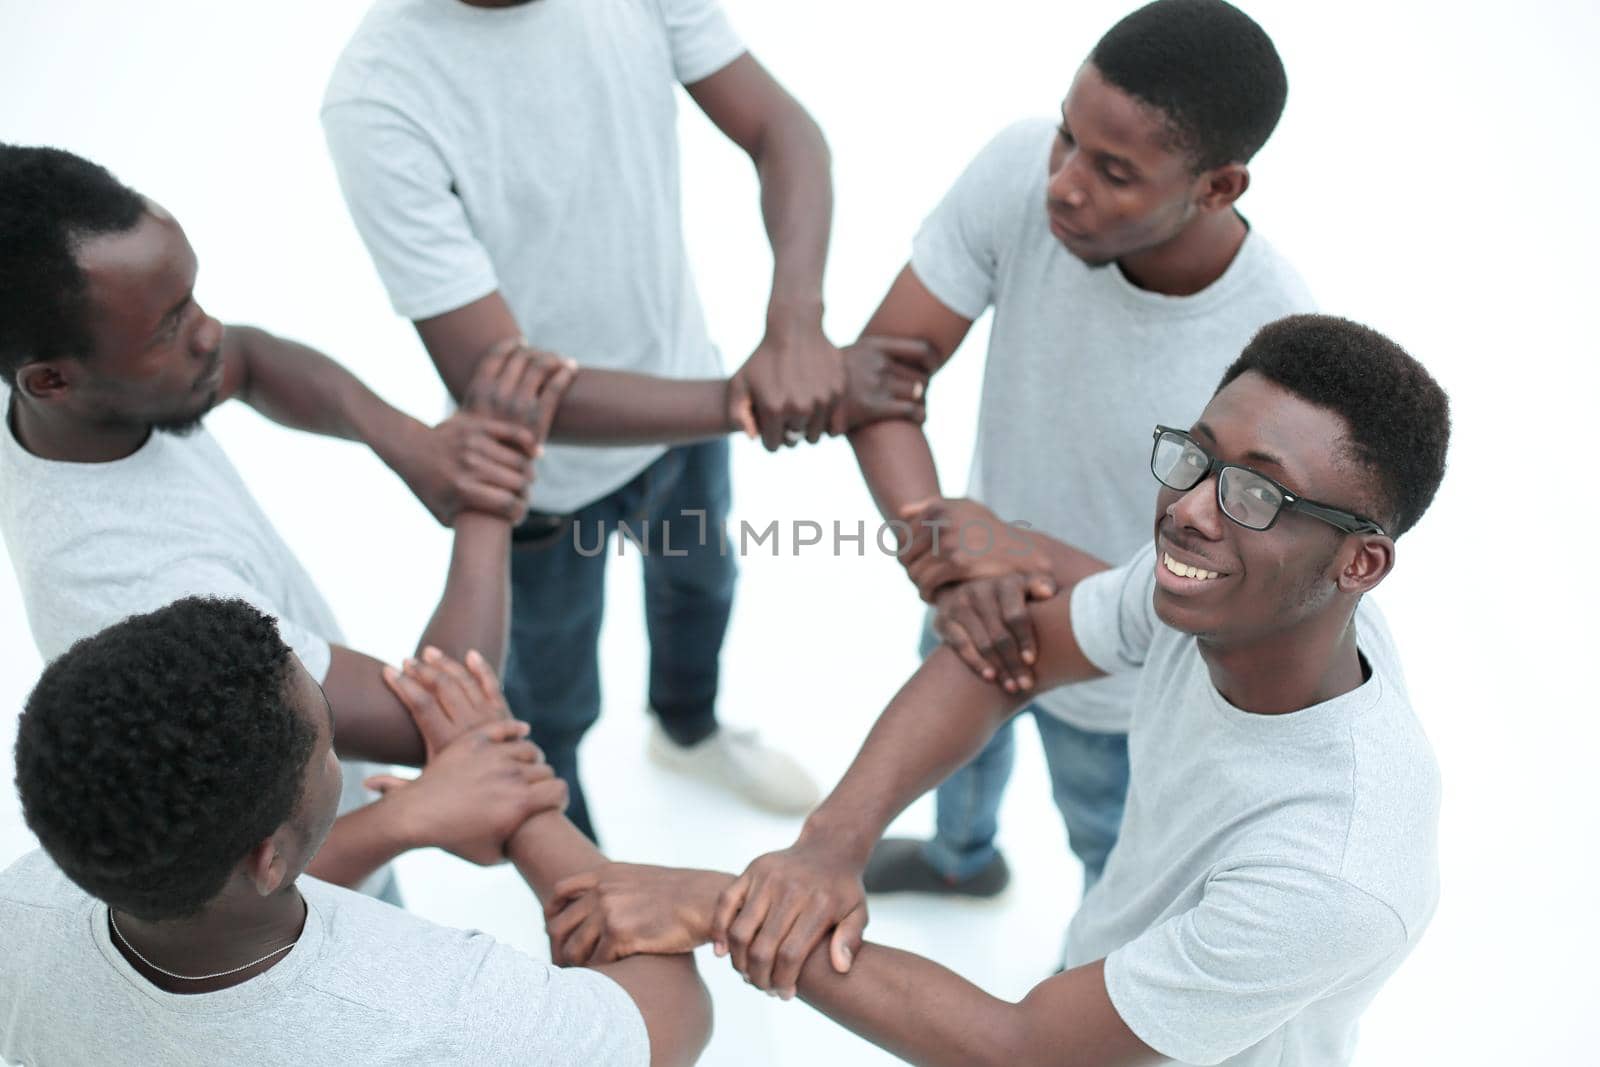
(600, 407)
(772, 918)
(894, 455)
(916, 1009)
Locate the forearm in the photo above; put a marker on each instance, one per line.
(548, 848)
(938, 721)
(296, 386)
(607, 407)
(359, 844)
(793, 165)
(666, 989)
(474, 610)
(896, 463)
(914, 1008)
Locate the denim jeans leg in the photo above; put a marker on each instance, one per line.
(689, 578)
(552, 675)
(1089, 778)
(967, 805)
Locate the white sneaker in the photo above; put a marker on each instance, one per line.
(737, 760)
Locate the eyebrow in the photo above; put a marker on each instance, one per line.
(1106, 157)
(1255, 454)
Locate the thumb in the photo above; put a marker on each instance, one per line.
(846, 940)
(384, 784)
(506, 730)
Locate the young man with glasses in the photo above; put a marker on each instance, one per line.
(1278, 859)
(1123, 280)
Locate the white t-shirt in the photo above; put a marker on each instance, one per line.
(366, 983)
(1273, 870)
(533, 149)
(1082, 365)
(93, 543)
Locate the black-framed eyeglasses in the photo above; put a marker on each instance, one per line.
(1248, 497)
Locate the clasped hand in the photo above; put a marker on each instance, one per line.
(481, 458)
(482, 778)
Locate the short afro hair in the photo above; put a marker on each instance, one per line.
(154, 755)
(1207, 67)
(1398, 418)
(51, 200)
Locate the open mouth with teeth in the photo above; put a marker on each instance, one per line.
(1183, 570)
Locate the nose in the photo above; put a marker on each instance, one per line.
(207, 336)
(1066, 181)
(1197, 510)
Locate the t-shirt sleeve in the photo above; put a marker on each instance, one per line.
(1262, 945)
(212, 578)
(1114, 616)
(956, 253)
(398, 189)
(701, 38)
(527, 1011)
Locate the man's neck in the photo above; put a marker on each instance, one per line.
(239, 927)
(1190, 261)
(1290, 670)
(52, 436)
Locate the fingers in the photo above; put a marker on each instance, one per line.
(932, 573)
(804, 936)
(846, 941)
(579, 945)
(483, 674)
(565, 922)
(548, 794)
(729, 902)
(817, 424)
(762, 956)
(570, 888)
(431, 719)
(549, 400)
(1018, 623)
(912, 351)
(507, 443)
(482, 387)
(960, 641)
(510, 505)
(450, 683)
(507, 730)
(997, 644)
(746, 928)
(512, 476)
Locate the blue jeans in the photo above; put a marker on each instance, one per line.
(677, 507)
(1088, 778)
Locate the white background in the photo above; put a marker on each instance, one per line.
(1433, 176)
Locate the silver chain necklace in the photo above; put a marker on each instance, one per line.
(191, 977)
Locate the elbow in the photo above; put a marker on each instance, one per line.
(684, 1037)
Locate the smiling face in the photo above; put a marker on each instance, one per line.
(1233, 586)
(1118, 185)
(156, 356)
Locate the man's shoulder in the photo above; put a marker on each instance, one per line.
(389, 39)
(35, 881)
(1275, 284)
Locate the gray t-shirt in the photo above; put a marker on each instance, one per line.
(366, 983)
(1273, 870)
(1082, 365)
(533, 149)
(93, 543)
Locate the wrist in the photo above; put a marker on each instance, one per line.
(850, 840)
(401, 824)
(790, 315)
(392, 435)
(699, 909)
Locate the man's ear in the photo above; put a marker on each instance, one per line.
(266, 866)
(1369, 563)
(46, 381)
(1221, 186)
